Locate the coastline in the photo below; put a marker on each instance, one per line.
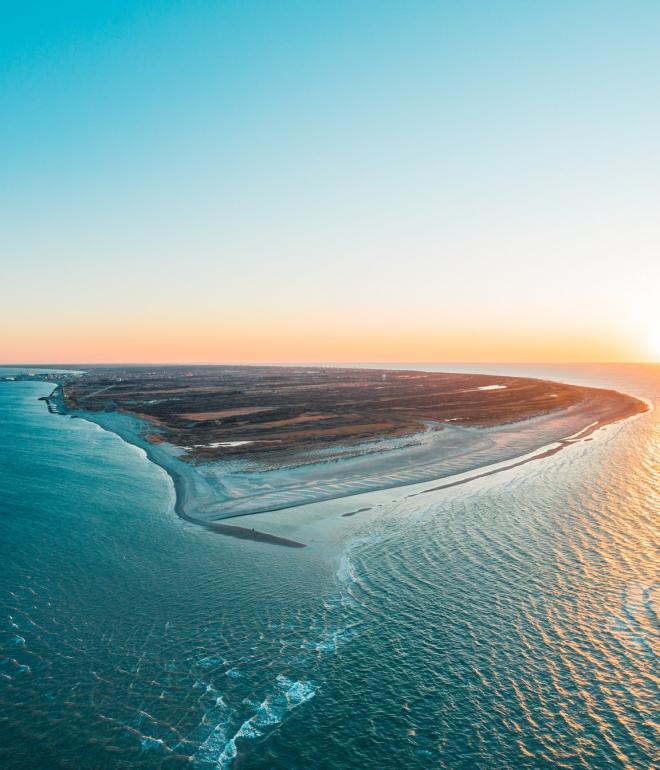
(206, 494)
(187, 487)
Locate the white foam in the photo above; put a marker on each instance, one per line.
(270, 712)
(149, 743)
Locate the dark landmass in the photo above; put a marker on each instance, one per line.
(219, 412)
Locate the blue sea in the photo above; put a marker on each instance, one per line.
(510, 622)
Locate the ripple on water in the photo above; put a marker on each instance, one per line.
(511, 622)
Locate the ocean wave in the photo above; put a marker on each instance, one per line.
(218, 751)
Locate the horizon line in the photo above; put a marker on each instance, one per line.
(50, 365)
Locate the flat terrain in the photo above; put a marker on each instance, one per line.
(227, 411)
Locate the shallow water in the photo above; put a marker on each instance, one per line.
(508, 622)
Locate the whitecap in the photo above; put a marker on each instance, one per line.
(269, 713)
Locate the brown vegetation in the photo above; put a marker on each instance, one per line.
(290, 409)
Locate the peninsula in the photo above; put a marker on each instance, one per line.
(239, 440)
(276, 414)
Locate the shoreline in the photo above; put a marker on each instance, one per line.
(208, 494)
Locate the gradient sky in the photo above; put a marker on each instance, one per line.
(330, 181)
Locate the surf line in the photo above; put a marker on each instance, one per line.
(553, 449)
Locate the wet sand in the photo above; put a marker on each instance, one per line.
(245, 533)
(352, 513)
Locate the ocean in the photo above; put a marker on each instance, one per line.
(510, 622)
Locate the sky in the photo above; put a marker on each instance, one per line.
(329, 181)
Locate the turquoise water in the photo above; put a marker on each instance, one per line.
(506, 623)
